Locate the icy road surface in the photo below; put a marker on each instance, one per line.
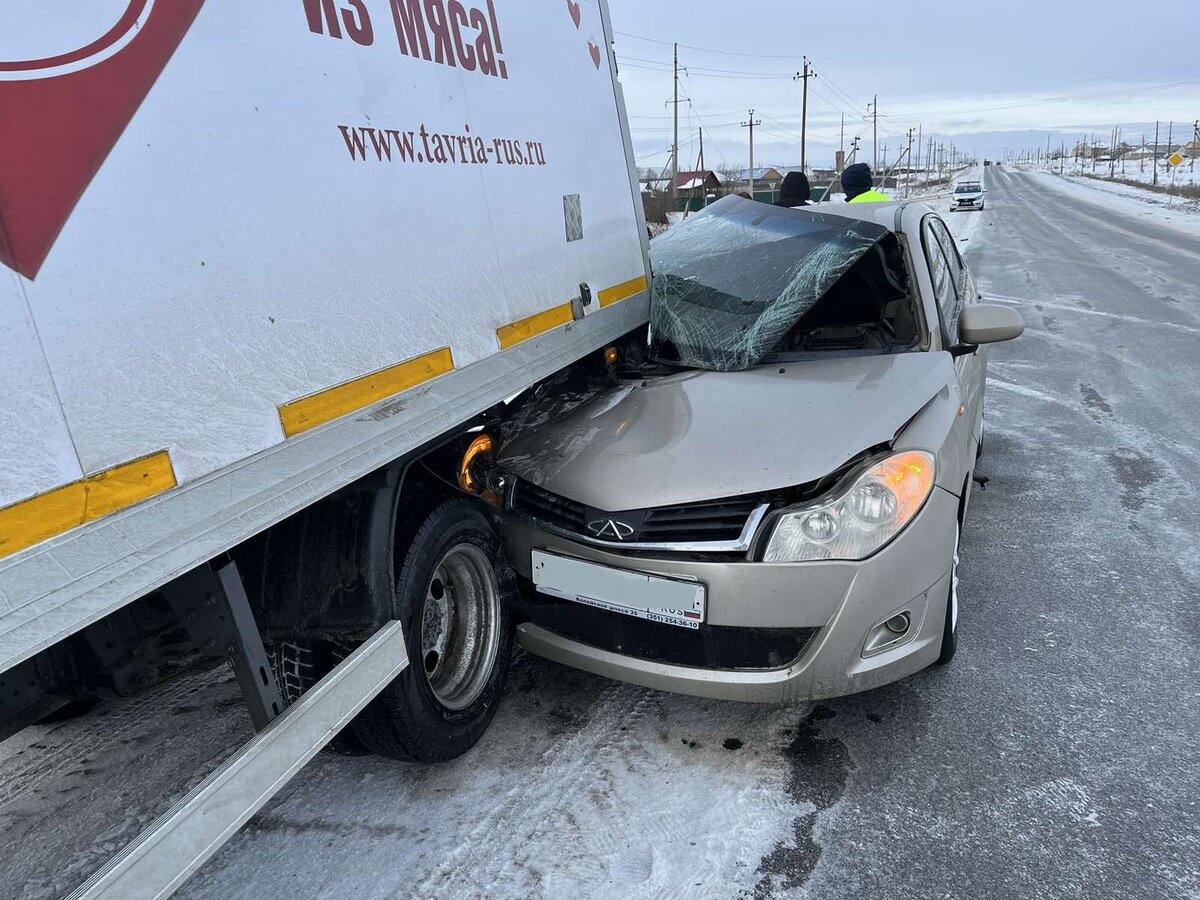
(1056, 757)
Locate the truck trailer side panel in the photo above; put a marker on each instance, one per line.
(325, 234)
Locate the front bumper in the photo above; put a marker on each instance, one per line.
(842, 601)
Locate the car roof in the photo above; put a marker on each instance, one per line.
(883, 214)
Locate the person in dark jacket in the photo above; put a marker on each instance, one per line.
(796, 190)
(859, 185)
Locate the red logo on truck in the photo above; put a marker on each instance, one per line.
(70, 81)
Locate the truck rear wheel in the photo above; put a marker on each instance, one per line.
(298, 665)
(451, 595)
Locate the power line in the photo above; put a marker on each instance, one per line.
(691, 70)
(648, 40)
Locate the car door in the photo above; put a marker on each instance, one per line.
(971, 367)
(949, 304)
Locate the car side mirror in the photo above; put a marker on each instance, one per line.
(986, 323)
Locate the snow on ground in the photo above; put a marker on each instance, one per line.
(1174, 212)
(582, 787)
(1135, 170)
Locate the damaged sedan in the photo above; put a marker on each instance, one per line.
(762, 501)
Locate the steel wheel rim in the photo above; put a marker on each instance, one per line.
(460, 626)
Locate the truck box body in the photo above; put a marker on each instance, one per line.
(250, 252)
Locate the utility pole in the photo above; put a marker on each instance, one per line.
(751, 125)
(853, 153)
(1155, 176)
(842, 140)
(1195, 145)
(702, 173)
(675, 146)
(1112, 155)
(918, 163)
(803, 77)
(874, 106)
(908, 174)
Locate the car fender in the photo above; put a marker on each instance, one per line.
(939, 428)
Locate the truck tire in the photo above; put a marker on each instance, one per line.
(452, 593)
(298, 665)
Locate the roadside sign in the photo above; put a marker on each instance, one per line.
(1177, 159)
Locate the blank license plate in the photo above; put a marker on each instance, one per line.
(646, 597)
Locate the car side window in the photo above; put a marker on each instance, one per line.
(945, 290)
(958, 268)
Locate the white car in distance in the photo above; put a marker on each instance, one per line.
(967, 195)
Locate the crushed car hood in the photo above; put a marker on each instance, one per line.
(701, 435)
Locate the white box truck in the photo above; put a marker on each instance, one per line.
(265, 268)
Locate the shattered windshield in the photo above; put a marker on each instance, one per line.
(731, 281)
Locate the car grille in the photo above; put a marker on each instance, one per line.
(549, 508)
(702, 522)
(719, 521)
(708, 647)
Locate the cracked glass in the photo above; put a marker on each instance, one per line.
(732, 280)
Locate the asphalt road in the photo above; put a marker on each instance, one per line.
(1056, 757)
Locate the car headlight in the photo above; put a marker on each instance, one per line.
(856, 521)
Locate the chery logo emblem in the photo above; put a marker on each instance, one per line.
(610, 528)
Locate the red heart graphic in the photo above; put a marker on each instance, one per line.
(576, 13)
(63, 114)
(595, 51)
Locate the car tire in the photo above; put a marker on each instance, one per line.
(950, 625)
(452, 596)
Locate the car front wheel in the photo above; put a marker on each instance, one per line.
(950, 628)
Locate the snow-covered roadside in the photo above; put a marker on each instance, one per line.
(582, 787)
(1180, 214)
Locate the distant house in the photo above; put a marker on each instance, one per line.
(703, 180)
(763, 175)
(1191, 149)
(1138, 155)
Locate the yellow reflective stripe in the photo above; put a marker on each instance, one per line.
(523, 330)
(34, 520)
(622, 291)
(325, 406)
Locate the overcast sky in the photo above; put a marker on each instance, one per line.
(986, 75)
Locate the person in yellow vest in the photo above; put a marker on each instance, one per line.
(859, 185)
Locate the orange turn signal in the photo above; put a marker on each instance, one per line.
(909, 475)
